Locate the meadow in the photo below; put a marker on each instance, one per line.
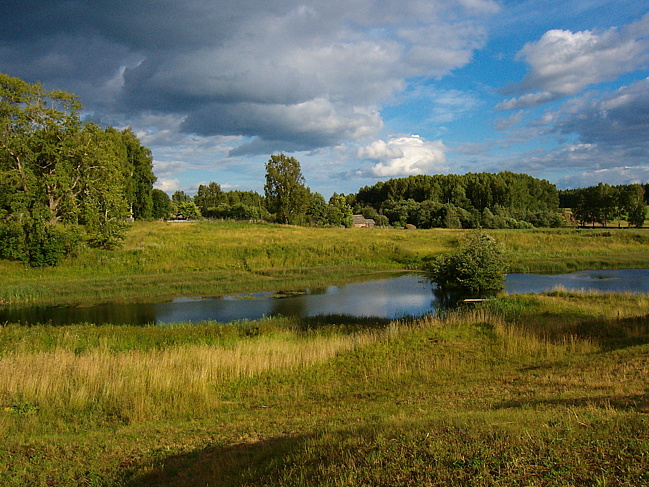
(164, 260)
(536, 390)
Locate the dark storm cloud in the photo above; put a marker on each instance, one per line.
(309, 74)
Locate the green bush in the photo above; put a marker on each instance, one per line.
(12, 240)
(475, 268)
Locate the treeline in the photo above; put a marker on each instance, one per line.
(604, 203)
(286, 199)
(503, 200)
(64, 182)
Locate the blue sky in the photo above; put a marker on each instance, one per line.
(358, 91)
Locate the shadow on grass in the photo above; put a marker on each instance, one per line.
(637, 402)
(223, 466)
(342, 321)
(617, 333)
(446, 452)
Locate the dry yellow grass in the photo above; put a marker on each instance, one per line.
(139, 385)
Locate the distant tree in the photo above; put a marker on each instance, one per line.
(180, 196)
(318, 210)
(138, 167)
(286, 194)
(477, 267)
(185, 209)
(524, 198)
(161, 204)
(633, 204)
(208, 198)
(343, 209)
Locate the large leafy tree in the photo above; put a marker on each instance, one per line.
(138, 169)
(58, 175)
(286, 194)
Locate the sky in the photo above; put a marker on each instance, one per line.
(358, 91)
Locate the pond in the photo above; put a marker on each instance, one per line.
(408, 295)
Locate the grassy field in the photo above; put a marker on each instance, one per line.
(535, 390)
(163, 260)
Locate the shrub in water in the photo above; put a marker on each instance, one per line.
(475, 268)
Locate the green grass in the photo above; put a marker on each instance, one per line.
(163, 260)
(523, 390)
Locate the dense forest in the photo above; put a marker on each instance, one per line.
(474, 200)
(503, 200)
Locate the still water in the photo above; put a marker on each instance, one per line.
(408, 295)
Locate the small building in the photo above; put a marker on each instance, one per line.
(361, 222)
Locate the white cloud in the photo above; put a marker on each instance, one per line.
(404, 156)
(615, 120)
(167, 185)
(528, 100)
(564, 62)
(513, 119)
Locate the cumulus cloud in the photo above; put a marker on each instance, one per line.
(405, 156)
(314, 123)
(564, 62)
(167, 185)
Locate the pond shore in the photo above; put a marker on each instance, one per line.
(159, 261)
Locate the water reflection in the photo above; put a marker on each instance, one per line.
(403, 296)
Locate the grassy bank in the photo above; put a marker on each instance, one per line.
(525, 390)
(162, 260)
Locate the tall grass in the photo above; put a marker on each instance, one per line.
(522, 390)
(142, 383)
(136, 374)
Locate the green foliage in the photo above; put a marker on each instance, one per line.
(161, 204)
(208, 198)
(48, 245)
(186, 210)
(286, 194)
(57, 171)
(476, 268)
(602, 203)
(137, 166)
(341, 210)
(453, 201)
(336, 213)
